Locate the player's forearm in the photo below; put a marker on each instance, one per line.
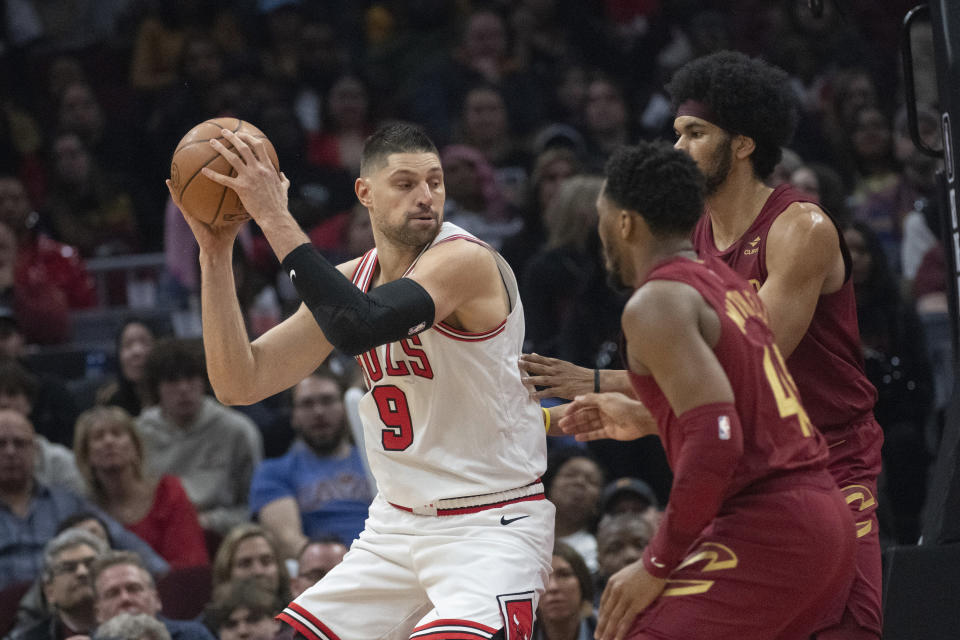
(617, 380)
(352, 320)
(711, 445)
(230, 361)
(283, 233)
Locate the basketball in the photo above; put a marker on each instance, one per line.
(200, 197)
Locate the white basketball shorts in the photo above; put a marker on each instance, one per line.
(434, 577)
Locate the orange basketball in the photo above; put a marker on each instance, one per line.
(201, 197)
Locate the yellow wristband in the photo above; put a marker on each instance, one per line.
(546, 419)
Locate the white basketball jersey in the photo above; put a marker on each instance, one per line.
(446, 414)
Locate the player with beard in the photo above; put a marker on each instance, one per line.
(734, 114)
(319, 486)
(740, 551)
(458, 539)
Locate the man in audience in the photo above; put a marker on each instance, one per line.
(122, 584)
(30, 510)
(55, 465)
(319, 486)
(621, 539)
(630, 495)
(212, 449)
(67, 587)
(316, 558)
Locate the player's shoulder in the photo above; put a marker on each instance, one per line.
(801, 221)
(459, 251)
(659, 304)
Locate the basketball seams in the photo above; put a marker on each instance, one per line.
(196, 173)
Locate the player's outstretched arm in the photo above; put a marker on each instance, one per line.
(562, 379)
(613, 416)
(803, 261)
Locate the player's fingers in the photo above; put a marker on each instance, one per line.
(615, 619)
(626, 621)
(220, 178)
(228, 154)
(531, 366)
(173, 193)
(536, 359)
(258, 150)
(587, 436)
(542, 394)
(241, 147)
(605, 619)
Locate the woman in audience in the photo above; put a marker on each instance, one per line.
(243, 610)
(134, 342)
(348, 123)
(249, 551)
(570, 311)
(110, 457)
(573, 481)
(566, 607)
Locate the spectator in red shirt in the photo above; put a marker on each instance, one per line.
(110, 457)
(52, 272)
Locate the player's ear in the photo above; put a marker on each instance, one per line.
(627, 223)
(362, 188)
(744, 146)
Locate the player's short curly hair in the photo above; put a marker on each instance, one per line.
(660, 183)
(748, 96)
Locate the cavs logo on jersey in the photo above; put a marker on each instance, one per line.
(754, 247)
(517, 612)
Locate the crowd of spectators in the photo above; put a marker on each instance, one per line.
(525, 99)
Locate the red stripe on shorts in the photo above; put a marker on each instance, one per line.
(452, 629)
(309, 626)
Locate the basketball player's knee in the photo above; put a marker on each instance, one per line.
(499, 635)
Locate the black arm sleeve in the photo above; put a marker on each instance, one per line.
(354, 321)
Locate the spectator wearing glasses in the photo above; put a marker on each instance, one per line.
(316, 558)
(67, 587)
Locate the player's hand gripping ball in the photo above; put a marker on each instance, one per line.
(200, 197)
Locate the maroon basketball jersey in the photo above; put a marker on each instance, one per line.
(828, 362)
(778, 436)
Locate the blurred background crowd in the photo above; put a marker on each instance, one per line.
(106, 420)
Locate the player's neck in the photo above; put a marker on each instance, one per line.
(665, 249)
(394, 260)
(735, 205)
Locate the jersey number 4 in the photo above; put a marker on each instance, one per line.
(395, 414)
(784, 389)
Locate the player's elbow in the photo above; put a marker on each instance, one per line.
(231, 394)
(349, 338)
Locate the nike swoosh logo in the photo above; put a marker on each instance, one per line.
(505, 521)
(659, 565)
